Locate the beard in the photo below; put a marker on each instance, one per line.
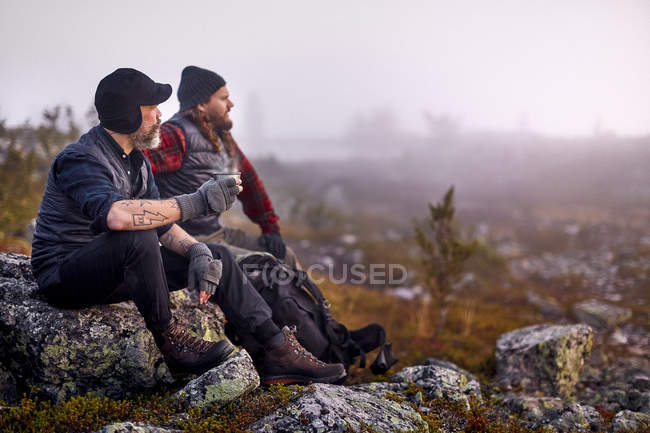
(219, 123)
(143, 139)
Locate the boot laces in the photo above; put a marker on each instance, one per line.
(186, 342)
(298, 349)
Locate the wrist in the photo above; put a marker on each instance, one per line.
(198, 249)
(191, 205)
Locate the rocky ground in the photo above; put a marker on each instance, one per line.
(552, 376)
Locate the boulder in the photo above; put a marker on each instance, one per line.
(599, 314)
(543, 358)
(226, 382)
(630, 421)
(331, 408)
(535, 412)
(129, 427)
(436, 381)
(450, 366)
(105, 350)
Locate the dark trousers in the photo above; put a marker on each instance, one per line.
(130, 265)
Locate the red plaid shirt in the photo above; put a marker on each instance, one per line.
(255, 201)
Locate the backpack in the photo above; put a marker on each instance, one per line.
(296, 300)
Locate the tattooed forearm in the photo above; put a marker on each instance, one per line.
(185, 243)
(177, 240)
(142, 214)
(167, 239)
(147, 218)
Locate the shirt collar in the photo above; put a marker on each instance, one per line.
(135, 158)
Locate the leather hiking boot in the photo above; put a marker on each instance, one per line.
(292, 363)
(185, 354)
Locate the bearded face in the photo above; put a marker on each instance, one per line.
(146, 137)
(219, 123)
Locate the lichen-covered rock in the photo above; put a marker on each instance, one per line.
(226, 382)
(450, 366)
(535, 412)
(630, 421)
(331, 408)
(104, 350)
(15, 266)
(129, 427)
(543, 358)
(599, 314)
(440, 382)
(437, 379)
(616, 385)
(578, 417)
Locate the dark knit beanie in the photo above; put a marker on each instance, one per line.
(120, 95)
(197, 85)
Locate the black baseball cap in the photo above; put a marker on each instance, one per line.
(120, 95)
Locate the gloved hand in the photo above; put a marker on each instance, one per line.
(273, 243)
(204, 271)
(214, 196)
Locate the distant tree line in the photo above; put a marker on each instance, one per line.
(26, 153)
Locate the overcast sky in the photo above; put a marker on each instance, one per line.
(309, 67)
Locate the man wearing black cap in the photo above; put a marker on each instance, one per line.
(99, 227)
(195, 143)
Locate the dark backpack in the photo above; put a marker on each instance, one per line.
(296, 300)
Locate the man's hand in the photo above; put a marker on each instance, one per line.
(204, 271)
(214, 196)
(273, 243)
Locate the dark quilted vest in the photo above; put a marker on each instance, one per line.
(200, 161)
(61, 226)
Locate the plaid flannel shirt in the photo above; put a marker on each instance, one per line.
(168, 157)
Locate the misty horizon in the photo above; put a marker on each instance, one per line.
(302, 70)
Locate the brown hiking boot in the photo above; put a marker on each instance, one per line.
(186, 354)
(292, 363)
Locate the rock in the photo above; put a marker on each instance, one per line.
(552, 412)
(534, 410)
(543, 358)
(16, 266)
(450, 382)
(226, 382)
(616, 385)
(331, 408)
(451, 366)
(440, 382)
(129, 427)
(105, 349)
(630, 421)
(599, 314)
(578, 418)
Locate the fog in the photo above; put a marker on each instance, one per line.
(300, 72)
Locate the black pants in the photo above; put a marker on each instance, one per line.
(130, 265)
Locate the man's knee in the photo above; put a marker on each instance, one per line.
(222, 253)
(137, 240)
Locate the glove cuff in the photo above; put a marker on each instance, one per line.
(198, 249)
(192, 205)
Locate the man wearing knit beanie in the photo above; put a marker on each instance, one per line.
(196, 143)
(103, 235)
